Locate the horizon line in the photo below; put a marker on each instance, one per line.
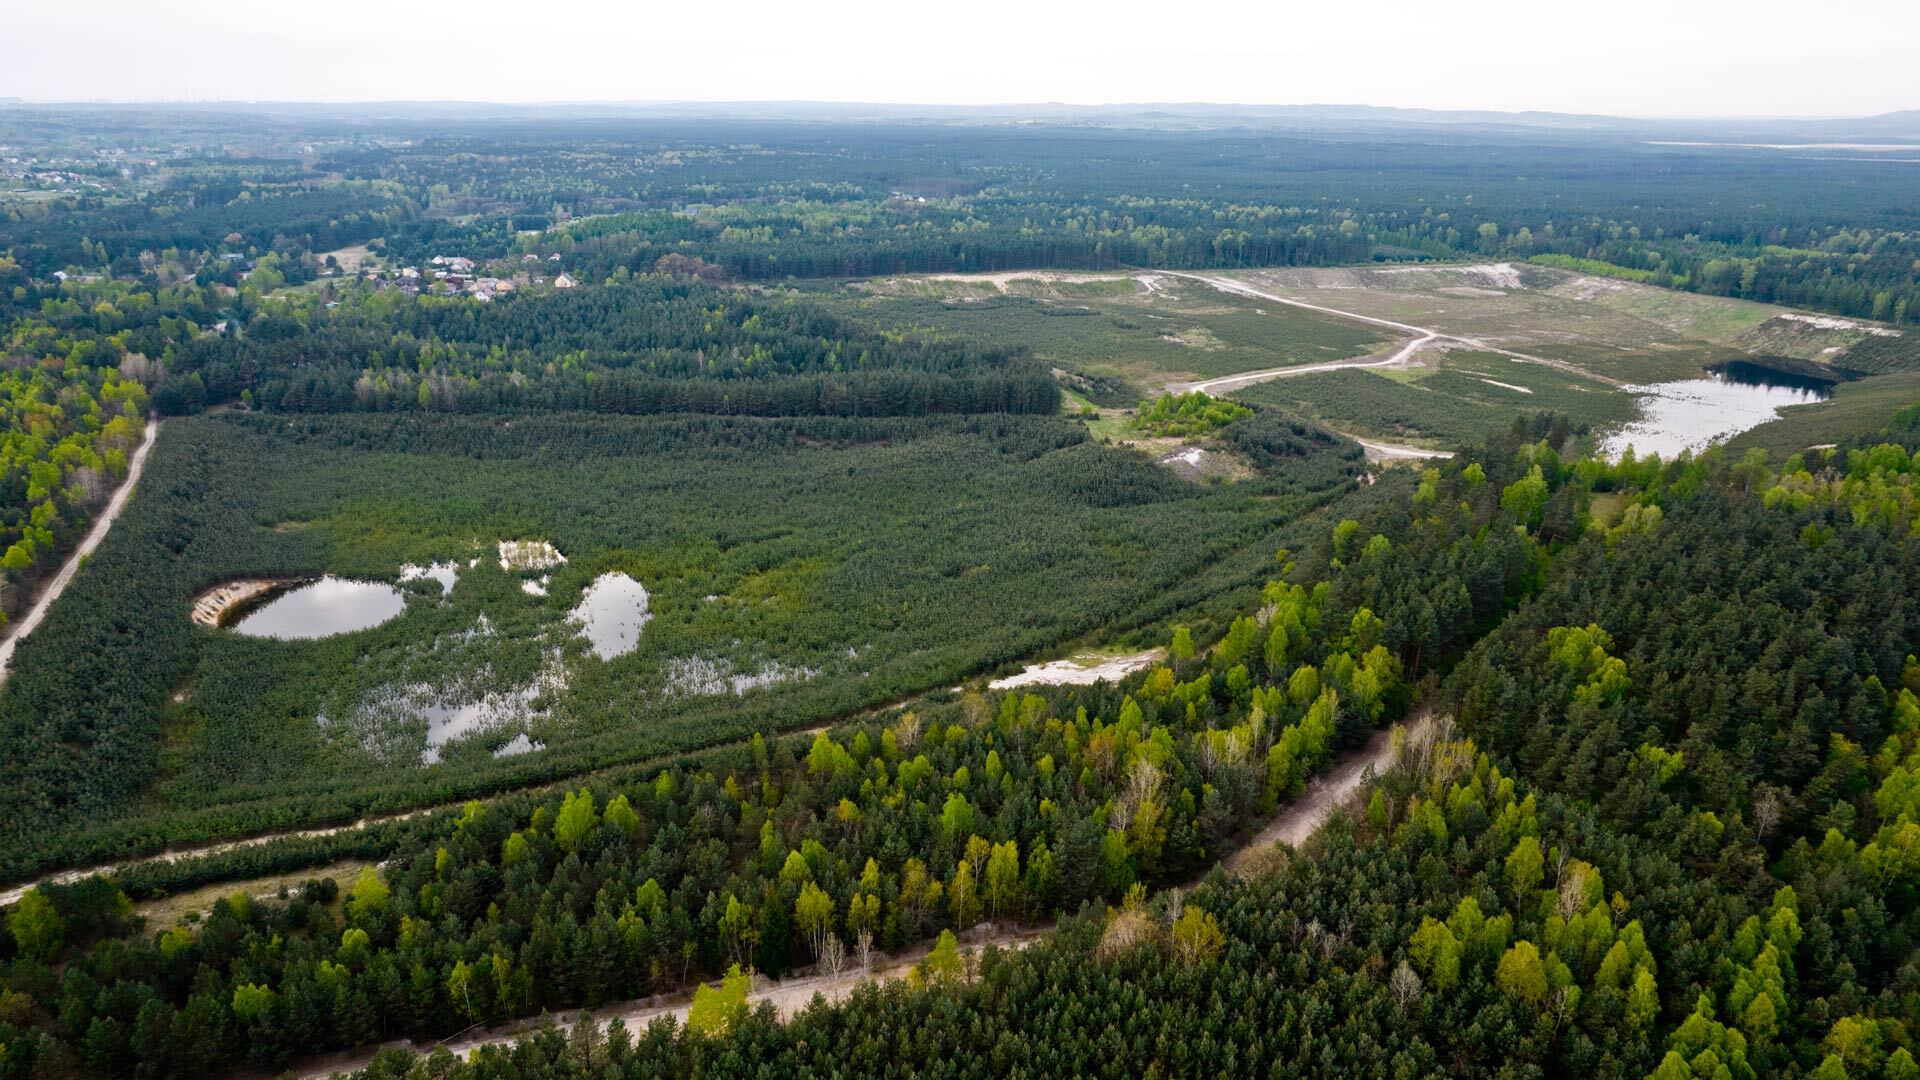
(16, 100)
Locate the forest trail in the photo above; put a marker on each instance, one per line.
(1425, 337)
(94, 535)
(1381, 451)
(787, 996)
(1327, 792)
(12, 894)
(1294, 823)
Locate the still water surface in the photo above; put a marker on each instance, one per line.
(611, 613)
(323, 608)
(1690, 414)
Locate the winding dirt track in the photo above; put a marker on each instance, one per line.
(1228, 383)
(1424, 336)
(1293, 824)
(94, 535)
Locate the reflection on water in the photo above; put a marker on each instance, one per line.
(1690, 414)
(611, 614)
(446, 573)
(323, 608)
(388, 721)
(519, 744)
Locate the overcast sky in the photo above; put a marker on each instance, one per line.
(1627, 57)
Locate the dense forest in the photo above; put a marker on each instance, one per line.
(766, 201)
(867, 558)
(767, 857)
(1707, 867)
(66, 437)
(1652, 807)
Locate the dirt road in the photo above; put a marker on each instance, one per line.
(1423, 337)
(1294, 823)
(1381, 451)
(788, 997)
(1327, 792)
(12, 895)
(94, 535)
(1227, 383)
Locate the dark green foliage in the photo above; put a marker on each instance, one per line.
(1272, 439)
(932, 548)
(1012, 807)
(650, 346)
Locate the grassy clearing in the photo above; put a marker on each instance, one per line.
(1176, 331)
(1469, 396)
(1616, 329)
(1856, 408)
(186, 906)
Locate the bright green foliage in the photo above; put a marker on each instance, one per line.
(956, 817)
(1583, 651)
(718, 1010)
(1003, 884)
(576, 820)
(1196, 936)
(943, 964)
(1180, 415)
(1182, 647)
(1526, 497)
(368, 900)
(36, 927)
(813, 914)
(1525, 867)
(251, 1002)
(620, 815)
(67, 433)
(1521, 974)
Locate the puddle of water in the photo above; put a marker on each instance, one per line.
(324, 608)
(611, 614)
(519, 744)
(1690, 414)
(446, 573)
(536, 586)
(454, 712)
(706, 675)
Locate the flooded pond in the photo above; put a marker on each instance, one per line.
(323, 608)
(1688, 415)
(388, 719)
(611, 613)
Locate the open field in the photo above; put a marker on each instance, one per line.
(1613, 329)
(1468, 346)
(1857, 408)
(1149, 330)
(1460, 397)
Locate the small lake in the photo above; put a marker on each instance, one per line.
(323, 608)
(611, 614)
(1688, 415)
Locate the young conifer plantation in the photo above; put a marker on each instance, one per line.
(851, 603)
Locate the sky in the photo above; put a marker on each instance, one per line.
(1620, 57)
